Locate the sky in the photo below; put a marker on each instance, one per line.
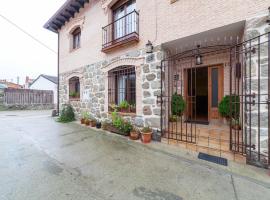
(19, 54)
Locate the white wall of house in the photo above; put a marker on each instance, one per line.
(44, 84)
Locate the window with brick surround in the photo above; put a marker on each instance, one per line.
(122, 89)
(76, 38)
(74, 88)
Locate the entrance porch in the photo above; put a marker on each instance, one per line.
(208, 99)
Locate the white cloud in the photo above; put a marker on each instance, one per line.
(19, 54)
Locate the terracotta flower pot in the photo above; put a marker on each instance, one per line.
(82, 121)
(134, 135)
(236, 127)
(146, 137)
(87, 122)
(93, 124)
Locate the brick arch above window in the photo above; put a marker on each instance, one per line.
(123, 62)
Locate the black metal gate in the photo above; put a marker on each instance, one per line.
(249, 90)
(247, 93)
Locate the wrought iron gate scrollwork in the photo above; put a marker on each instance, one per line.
(249, 84)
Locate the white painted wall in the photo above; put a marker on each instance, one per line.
(44, 84)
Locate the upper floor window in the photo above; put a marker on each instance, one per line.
(122, 89)
(76, 40)
(124, 25)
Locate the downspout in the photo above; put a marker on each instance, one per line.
(58, 77)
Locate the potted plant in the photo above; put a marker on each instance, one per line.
(93, 122)
(229, 107)
(236, 125)
(113, 107)
(125, 128)
(132, 108)
(173, 118)
(86, 119)
(98, 125)
(73, 95)
(124, 106)
(83, 117)
(134, 133)
(105, 126)
(178, 105)
(146, 135)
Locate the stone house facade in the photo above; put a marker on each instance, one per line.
(93, 42)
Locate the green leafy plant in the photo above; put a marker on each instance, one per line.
(178, 104)
(73, 94)
(117, 121)
(67, 114)
(228, 110)
(124, 105)
(126, 127)
(146, 129)
(85, 115)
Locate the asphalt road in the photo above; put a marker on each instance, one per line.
(42, 159)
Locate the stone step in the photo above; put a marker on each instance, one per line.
(221, 151)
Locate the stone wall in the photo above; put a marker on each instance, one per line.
(255, 27)
(94, 89)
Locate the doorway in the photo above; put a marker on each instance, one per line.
(197, 95)
(203, 91)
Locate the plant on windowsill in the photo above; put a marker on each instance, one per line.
(74, 95)
(113, 107)
(124, 106)
(146, 134)
(178, 105)
(228, 110)
(132, 108)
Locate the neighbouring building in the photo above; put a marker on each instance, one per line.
(28, 82)
(149, 52)
(46, 82)
(9, 84)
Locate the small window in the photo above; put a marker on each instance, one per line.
(76, 41)
(122, 89)
(74, 88)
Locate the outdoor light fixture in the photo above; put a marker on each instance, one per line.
(268, 20)
(198, 57)
(149, 47)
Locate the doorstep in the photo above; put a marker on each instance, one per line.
(255, 174)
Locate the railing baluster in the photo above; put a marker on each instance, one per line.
(120, 29)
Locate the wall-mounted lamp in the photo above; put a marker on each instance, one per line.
(149, 47)
(198, 57)
(268, 20)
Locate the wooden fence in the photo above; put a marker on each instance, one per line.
(28, 97)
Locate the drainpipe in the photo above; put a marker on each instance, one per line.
(58, 78)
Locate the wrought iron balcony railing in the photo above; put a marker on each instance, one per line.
(122, 31)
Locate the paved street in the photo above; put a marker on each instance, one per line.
(43, 159)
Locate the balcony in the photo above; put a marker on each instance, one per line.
(122, 31)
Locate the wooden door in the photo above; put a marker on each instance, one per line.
(215, 90)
